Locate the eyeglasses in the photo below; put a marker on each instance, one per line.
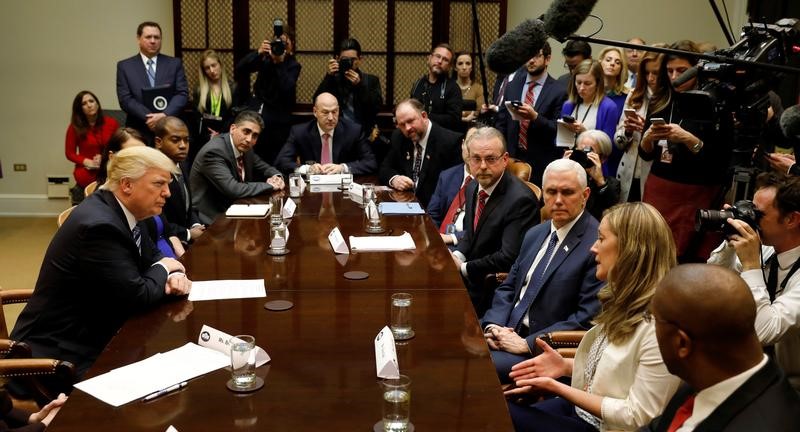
(490, 160)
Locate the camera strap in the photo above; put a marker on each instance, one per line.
(795, 267)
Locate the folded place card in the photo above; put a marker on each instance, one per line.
(386, 355)
(288, 208)
(220, 341)
(248, 211)
(337, 241)
(356, 192)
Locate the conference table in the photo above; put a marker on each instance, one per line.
(322, 373)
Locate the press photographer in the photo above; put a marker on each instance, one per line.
(775, 284)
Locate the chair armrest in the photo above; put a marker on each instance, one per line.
(35, 367)
(11, 296)
(13, 349)
(564, 339)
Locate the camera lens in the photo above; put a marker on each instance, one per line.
(712, 220)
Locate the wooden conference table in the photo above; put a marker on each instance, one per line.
(322, 374)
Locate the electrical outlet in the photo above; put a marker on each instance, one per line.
(20, 167)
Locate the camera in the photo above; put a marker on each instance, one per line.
(717, 220)
(345, 64)
(277, 46)
(581, 156)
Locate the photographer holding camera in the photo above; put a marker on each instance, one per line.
(275, 90)
(766, 252)
(358, 93)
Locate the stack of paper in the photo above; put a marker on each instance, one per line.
(382, 243)
(227, 289)
(248, 210)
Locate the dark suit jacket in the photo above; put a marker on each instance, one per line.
(350, 146)
(567, 299)
(215, 182)
(765, 402)
(447, 188)
(494, 245)
(366, 96)
(442, 151)
(132, 78)
(179, 218)
(542, 132)
(92, 279)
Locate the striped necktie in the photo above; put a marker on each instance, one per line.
(137, 237)
(151, 73)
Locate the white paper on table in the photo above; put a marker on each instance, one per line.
(511, 110)
(327, 179)
(356, 192)
(382, 243)
(386, 355)
(154, 373)
(565, 137)
(227, 289)
(248, 210)
(288, 208)
(337, 241)
(220, 341)
(324, 188)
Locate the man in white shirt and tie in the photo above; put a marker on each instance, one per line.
(327, 145)
(147, 69)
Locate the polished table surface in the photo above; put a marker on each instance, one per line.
(322, 373)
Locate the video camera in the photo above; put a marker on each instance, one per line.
(277, 46)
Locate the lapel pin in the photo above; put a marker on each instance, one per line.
(566, 248)
(428, 157)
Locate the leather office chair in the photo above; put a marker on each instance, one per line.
(565, 342)
(64, 215)
(535, 189)
(519, 169)
(91, 187)
(12, 296)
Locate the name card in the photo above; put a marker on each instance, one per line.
(337, 241)
(221, 342)
(326, 179)
(288, 209)
(356, 193)
(386, 355)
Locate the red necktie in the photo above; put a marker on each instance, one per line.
(523, 125)
(458, 202)
(683, 413)
(240, 166)
(325, 157)
(482, 195)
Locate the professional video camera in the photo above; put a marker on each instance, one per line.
(733, 83)
(277, 46)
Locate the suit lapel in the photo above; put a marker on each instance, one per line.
(494, 201)
(227, 145)
(566, 247)
(316, 142)
(530, 256)
(336, 149)
(408, 163)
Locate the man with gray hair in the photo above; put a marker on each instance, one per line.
(552, 285)
(99, 269)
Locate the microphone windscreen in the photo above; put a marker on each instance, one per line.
(564, 17)
(790, 122)
(516, 47)
(685, 77)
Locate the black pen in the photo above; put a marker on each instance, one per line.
(162, 392)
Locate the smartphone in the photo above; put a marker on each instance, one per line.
(658, 121)
(568, 119)
(516, 104)
(630, 112)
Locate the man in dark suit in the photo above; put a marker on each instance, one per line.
(150, 69)
(533, 139)
(336, 146)
(226, 169)
(419, 152)
(446, 207)
(730, 385)
(172, 139)
(552, 284)
(499, 210)
(358, 93)
(100, 268)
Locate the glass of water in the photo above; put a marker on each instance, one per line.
(401, 316)
(243, 361)
(396, 403)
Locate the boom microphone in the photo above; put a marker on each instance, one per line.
(790, 122)
(685, 77)
(564, 17)
(516, 47)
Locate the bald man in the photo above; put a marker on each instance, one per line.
(705, 326)
(334, 145)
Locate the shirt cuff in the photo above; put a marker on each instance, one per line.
(302, 169)
(464, 269)
(454, 238)
(345, 169)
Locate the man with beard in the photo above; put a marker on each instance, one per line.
(440, 95)
(540, 98)
(420, 151)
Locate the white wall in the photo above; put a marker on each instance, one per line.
(652, 20)
(53, 49)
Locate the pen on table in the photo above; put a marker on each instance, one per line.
(162, 392)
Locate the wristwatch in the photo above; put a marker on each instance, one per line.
(697, 147)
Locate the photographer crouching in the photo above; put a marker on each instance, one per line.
(763, 244)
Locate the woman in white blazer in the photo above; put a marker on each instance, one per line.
(619, 381)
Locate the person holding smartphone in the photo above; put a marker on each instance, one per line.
(690, 160)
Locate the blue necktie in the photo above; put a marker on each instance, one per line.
(515, 319)
(137, 237)
(151, 73)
